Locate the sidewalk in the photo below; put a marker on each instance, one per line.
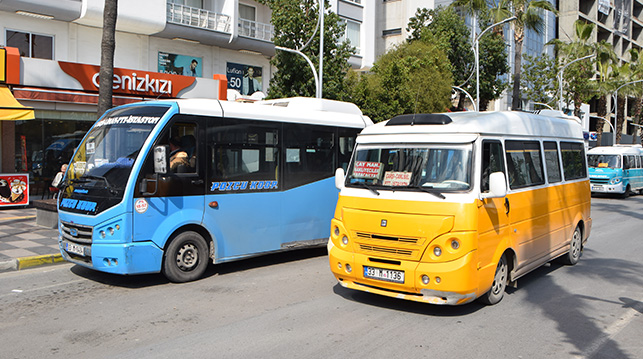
(23, 243)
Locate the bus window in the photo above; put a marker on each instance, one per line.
(552, 163)
(244, 150)
(573, 160)
(524, 164)
(182, 144)
(310, 154)
(492, 161)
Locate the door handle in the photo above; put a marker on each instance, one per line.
(507, 206)
(197, 182)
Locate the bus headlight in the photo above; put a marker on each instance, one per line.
(615, 180)
(455, 244)
(437, 251)
(344, 240)
(337, 231)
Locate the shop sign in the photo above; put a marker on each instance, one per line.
(130, 82)
(244, 78)
(14, 189)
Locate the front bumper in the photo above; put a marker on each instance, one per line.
(607, 188)
(458, 283)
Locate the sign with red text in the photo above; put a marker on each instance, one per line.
(14, 189)
(397, 179)
(369, 170)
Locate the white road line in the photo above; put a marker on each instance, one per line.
(23, 291)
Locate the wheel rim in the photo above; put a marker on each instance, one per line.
(500, 278)
(575, 245)
(187, 257)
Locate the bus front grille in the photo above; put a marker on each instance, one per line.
(363, 235)
(386, 250)
(599, 180)
(76, 233)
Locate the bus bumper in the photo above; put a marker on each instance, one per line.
(119, 258)
(457, 283)
(607, 188)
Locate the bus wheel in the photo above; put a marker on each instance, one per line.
(497, 291)
(186, 258)
(575, 248)
(626, 194)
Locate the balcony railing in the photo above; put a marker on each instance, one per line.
(195, 17)
(256, 30)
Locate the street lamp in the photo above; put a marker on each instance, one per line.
(475, 108)
(616, 103)
(310, 63)
(475, 42)
(612, 127)
(560, 78)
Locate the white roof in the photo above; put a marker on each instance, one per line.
(296, 110)
(506, 123)
(618, 149)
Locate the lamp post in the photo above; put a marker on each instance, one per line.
(613, 130)
(475, 108)
(477, 58)
(616, 103)
(560, 78)
(310, 63)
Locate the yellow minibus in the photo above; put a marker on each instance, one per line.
(448, 208)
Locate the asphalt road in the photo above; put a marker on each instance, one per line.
(289, 306)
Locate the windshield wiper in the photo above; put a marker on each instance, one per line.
(431, 190)
(363, 184)
(85, 179)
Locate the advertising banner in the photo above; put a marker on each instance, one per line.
(244, 78)
(179, 64)
(14, 189)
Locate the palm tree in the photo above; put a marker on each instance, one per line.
(528, 16)
(605, 57)
(106, 74)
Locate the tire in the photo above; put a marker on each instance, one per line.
(626, 194)
(186, 258)
(497, 291)
(575, 248)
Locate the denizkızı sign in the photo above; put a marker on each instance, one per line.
(131, 82)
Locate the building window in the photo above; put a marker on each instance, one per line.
(31, 45)
(352, 34)
(392, 32)
(247, 12)
(354, 1)
(191, 3)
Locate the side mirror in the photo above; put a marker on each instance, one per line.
(161, 159)
(339, 178)
(497, 186)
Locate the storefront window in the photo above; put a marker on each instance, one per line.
(44, 144)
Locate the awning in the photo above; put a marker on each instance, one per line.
(11, 109)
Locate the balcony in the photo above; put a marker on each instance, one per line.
(256, 30)
(198, 18)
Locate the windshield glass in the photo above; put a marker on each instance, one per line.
(604, 161)
(103, 162)
(440, 167)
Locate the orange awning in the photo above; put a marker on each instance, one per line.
(11, 109)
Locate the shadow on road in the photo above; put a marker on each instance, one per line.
(148, 280)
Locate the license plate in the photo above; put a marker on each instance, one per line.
(389, 275)
(75, 248)
(596, 187)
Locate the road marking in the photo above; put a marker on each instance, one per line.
(22, 291)
(610, 332)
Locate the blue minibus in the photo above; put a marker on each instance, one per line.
(169, 186)
(616, 169)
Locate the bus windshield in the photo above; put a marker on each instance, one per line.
(102, 163)
(604, 161)
(418, 168)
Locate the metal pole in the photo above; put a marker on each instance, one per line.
(321, 49)
(477, 57)
(469, 96)
(310, 63)
(560, 78)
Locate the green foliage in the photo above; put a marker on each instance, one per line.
(412, 78)
(539, 78)
(295, 22)
(453, 37)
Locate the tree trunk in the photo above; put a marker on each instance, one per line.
(516, 101)
(601, 111)
(620, 102)
(108, 43)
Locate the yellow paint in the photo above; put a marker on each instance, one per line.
(28, 262)
(537, 228)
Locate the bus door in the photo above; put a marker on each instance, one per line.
(176, 198)
(243, 195)
(493, 218)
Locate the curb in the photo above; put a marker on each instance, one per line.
(30, 262)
